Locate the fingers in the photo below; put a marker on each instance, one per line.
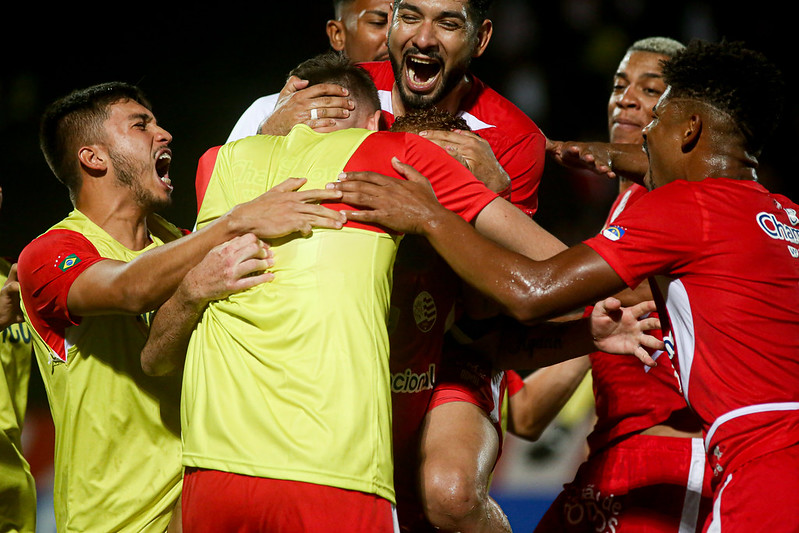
(407, 171)
(290, 184)
(364, 177)
(643, 308)
(644, 357)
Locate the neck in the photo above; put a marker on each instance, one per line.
(125, 221)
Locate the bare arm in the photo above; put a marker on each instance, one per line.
(543, 395)
(146, 282)
(10, 311)
(529, 290)
(231, 267)
(609, 159)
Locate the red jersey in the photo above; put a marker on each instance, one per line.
(722, 256)
(516, 141)
(629, 396)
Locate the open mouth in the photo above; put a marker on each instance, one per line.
(162, 163)
(422, 73)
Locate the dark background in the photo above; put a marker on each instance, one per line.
(554, 60)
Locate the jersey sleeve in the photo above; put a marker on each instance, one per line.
(250, 121)
(47, 268)
(456, 188)
(661, 234)
(205, 167)
(217, 200)
(524, 163)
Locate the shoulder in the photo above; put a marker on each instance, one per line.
(490, 110)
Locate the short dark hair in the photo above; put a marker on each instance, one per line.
(733, 79)
(77, 119)
(478, 9)
(429, 118)
(334, 67)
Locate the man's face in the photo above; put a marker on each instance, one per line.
(662, 142)
(637, 85)
(430, 43)
(139, 154)
(364, 24)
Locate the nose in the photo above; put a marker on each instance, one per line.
(425, 37)
(162, 135)
(629, 98)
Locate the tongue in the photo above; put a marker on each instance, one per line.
(422, 76)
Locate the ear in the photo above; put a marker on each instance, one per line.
(335, 34)
(93, 158)
(692, 132)
(483, 36)
(374, 121)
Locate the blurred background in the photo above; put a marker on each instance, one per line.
(201, 70)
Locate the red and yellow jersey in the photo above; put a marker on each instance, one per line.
(117, 456)
(290, 379)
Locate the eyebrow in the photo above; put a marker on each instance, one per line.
(443, 15)
(653, 75)
(146, 117)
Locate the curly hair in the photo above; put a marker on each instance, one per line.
(430, 118)
(733, 79)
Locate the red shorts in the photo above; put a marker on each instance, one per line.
(467, 377)
(641, 484)
(216, 501)
(760, 495)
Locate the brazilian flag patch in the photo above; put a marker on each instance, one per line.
(69, 261)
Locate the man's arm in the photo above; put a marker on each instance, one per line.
(10, 311)
(529, 290)
(544, 394)
(143, 284)
(231, 267)
(609, 159)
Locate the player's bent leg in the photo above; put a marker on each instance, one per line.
(459, 447)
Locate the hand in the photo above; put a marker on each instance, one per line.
(474, 153)
(619, 330)
(405, 206)
(231, 267)
(10, 310)
(283, 210)
(296, 100)
(595, 157)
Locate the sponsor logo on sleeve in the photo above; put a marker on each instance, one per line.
(69, 261)
(613, 233)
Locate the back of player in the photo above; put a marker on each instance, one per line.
(303, 364)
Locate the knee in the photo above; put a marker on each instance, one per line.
(452, 498)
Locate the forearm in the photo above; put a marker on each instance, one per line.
(530, 291)
(143, 284)
(165, 350)
(543, 396)
(549, 343)
(628, 161)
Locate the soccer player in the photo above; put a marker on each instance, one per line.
(721, 255)
(88, 286)
(640, 411)
(17, 486)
